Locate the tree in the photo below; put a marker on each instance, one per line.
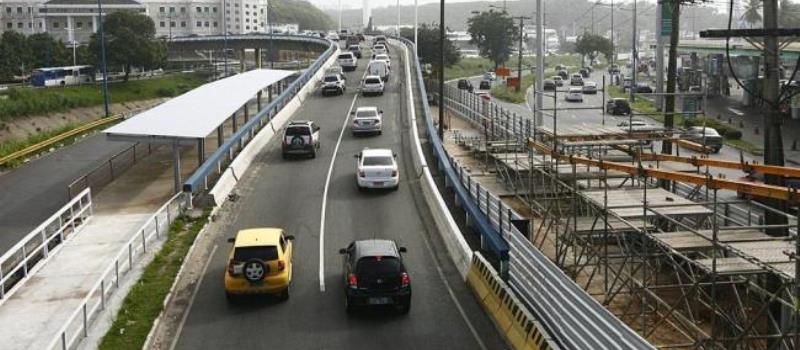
(789, 15)
(306, 15)
(494, 33)
(50, 52)
(752, 12)
(593, 45)
(429, 48)
(15, 55)
(130, 42)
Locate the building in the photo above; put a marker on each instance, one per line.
(76, 20)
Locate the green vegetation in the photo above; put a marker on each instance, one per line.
(130, 42)
(145, 300)
(306, 15)
(428, 47)
(25, 102)
(494, 33)
(468, 67)
(11, 146)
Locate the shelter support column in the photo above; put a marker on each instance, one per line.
(258, 59)
(235, 124)
(242, 61)
(246, 112)
(269, 90)
(220, 135)
(176, 165)
(201, 151)
(258, 100)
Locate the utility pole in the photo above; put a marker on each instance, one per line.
(634, 54)
(441, 69)
(340, 18)
(593, 6)
(539, 118)
(397, 27)
(103, 58)
(614, 48)
(416, 21)
(519, 48)
(659, 55)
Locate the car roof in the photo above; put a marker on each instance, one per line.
(300, 122)
(574, 89)
(372, 77)
(576, 75)
(367, 108)
(375, 247)
(376, 152)
(255, 237)
(589, 83)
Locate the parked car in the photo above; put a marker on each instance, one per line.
(300, 137)
(377, 168)
(584, 72)
(372, 85)
(557, 79)
(574, 95)
(618, 106)
(705, 136)
(485, 85)
(576, 80)
(333, 84)
(589, 87)
(348, 61)
(367, 120)
(374, 275)
(465, 84)
(260, 262)
(356, 50)
(549, 85)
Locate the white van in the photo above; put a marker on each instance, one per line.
(379, 68)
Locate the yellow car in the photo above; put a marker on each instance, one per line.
(259, 263)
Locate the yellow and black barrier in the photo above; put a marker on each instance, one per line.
(516, 324)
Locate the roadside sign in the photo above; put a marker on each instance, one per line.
(689, 107)
(666, 18)
(502, 72)
(512, 81)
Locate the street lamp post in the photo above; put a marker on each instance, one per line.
(103, 57)
(634, 53)
(441, 69)
(416, 21)
(519, 48)
(539, 118)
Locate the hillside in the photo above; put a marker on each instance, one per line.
(302, 12)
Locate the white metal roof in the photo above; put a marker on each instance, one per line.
(197, 113)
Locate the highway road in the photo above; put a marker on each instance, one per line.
(290, 194)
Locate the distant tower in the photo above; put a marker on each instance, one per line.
(366, 14)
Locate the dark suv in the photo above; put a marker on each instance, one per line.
(618, 106)
(374, 275)
(465, 84)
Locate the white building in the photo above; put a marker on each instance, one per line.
(76, 20)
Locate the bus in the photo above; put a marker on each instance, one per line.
(62, 76)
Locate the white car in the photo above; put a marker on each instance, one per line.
(379, 49)
(574, 95)
(589, 87)
(333, 84)
(372, 85)
(377, 168)
(347, 60)
(490, 76)
(367, 120)
(383, 57)
(333, 36)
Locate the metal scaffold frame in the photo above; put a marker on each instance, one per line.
(660, 248)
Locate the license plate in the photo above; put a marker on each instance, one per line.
(379, 301)
(379, 183)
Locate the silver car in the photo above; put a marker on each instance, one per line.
(367, 120)
(372, 85)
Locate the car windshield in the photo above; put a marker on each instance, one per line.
(378, 266)
(298, 130)
(372, 81)
(265, 253)
(331, 79)
(354, 47)
(377, 161)
(366, 113)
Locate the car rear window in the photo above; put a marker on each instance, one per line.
(354, 47)
(372, 81)
(331, 79)
(266, 253)
(377, 161)
(366, 114)
(298, 130)
(378, 265)
(345, 56)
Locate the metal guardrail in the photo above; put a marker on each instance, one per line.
(574, 318)
(481, 224)
(35, 248)
(109, 170)
(217, 162)
(77, 325)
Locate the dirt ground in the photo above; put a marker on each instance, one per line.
(20, 128)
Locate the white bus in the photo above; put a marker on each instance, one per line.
(62, 76)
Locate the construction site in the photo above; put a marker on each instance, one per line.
(673, 245)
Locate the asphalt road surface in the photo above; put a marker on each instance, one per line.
(289, 194)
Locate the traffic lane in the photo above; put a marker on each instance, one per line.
(433, 321)
(36, 190)
(279, 193)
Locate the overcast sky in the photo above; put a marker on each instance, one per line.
(352, 4)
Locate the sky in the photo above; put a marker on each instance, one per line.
(353, 4)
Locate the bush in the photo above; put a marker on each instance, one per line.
(165, 91)
(733, 135)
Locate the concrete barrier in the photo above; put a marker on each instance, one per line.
(520, 329)
(454, 241)
(227, 181)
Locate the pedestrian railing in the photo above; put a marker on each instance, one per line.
(30, 253)
(111, 169)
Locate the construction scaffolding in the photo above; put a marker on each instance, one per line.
(673, 253)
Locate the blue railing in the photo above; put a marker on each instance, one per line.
(482, 225)
(198, 181)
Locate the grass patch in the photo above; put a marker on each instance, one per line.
(20, 102)
(745, 146)
(145, 300)
(467, 67)
(11, 146)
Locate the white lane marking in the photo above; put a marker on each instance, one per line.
(736, 111)
(325, 194)
(191, 299)
(425, 238)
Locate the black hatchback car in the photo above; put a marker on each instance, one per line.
(618, 106)
(374, 275)
(465, 84)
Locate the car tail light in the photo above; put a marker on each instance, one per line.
(352, 280)
(405, 281)
(281, 265)
(394, 173)
(361, 173)
(231, 267)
